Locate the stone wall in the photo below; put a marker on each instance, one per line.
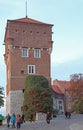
(8, 104)
(40, 116)
(14, 102)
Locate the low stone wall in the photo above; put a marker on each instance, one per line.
(40, 116)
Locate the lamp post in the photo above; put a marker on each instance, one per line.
(65, 101)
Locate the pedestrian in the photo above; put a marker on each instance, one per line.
(1, 119)
(8, 117)
(69, 115)
(18, 121)
(66, 115)
(13, 119)
(48, 117)
(31, 117)
(23, 120)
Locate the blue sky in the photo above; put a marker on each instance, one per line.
(67, 17)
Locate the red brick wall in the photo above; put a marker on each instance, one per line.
(31, 36)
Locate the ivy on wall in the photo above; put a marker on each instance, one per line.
(37, 96)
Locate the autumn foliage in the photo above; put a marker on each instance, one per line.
(76, 91)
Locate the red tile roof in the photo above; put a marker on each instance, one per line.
(60, 86)
(64, 84)
(56, 89)
(29, 20)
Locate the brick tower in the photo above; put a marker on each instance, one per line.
(28, 46)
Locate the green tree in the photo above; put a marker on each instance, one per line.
(37, 95)
(1, 96)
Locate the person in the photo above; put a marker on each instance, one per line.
(18, 121)
(48, 117)
(66, 115)
(1, 119)
(8, 120)
(69, 115)
(23, 120)
(31, 117)
(13, 119)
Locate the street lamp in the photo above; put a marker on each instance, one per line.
(65, 102)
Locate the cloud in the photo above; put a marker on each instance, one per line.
(63, 71)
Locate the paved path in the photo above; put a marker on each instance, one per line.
(59, 123)
(76, 127)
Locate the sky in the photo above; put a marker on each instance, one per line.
(67, 18)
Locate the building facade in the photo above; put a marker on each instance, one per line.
(28, 46)
(61, 97)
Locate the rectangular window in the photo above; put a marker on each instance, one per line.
(31, 69)
(24, 52)
(60, 107)
(37, 53)
(60, 102)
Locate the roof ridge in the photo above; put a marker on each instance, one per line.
(29, 20)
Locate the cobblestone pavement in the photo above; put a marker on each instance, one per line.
(59, 123)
